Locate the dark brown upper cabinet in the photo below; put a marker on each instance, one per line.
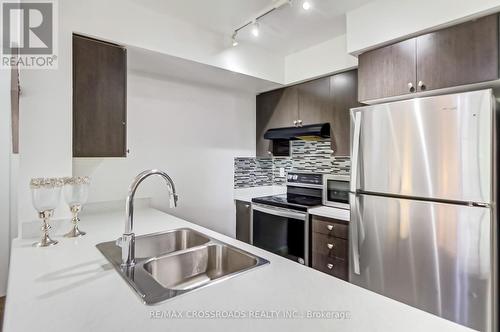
(327, 99)
(463, 54)
(99, 98)
(459, 55)
(277, 108)
(15, 91)
(344, 92)
(388, 71)
(315, 101)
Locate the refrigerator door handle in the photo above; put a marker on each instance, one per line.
(354, 235)
(355, 150)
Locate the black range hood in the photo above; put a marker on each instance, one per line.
(312, 132)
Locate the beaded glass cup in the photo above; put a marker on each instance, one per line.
(45, 195)
(75, 194)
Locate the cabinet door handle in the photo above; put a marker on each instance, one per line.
(411, 88)
(330, 245)
(329, 266)
(295, 122)
(300, 123)
(247, 206)
(330, 227)
(421, 85)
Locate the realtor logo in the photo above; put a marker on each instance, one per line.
(29, 34)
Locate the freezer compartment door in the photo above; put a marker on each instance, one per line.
(436, 147)
(433, 256)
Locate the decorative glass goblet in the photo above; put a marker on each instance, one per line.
(45, 194)
(76, 190)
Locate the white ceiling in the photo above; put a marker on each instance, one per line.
(284, 31)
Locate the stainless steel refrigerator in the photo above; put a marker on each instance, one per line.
(423, 217)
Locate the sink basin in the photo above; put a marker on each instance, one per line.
(156, 244)
(199, 266)
(163, 243)
(172, 263)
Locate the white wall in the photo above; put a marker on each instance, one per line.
(45, 120)
(382, 21)
(318, 60)
(14, 169)
(45, 128)
(193, 132)
(5, 151)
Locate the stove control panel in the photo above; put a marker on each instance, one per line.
(305, 178)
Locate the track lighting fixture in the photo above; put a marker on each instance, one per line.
(255, 28)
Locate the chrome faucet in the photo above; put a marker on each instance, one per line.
(127, 241)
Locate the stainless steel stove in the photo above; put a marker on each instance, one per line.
(304, 190)
(280, 223)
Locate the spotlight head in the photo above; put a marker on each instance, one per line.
(255, 29)
(234, 41)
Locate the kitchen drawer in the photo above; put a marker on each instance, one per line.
(332, 266)
(329, 245)
(329, 227)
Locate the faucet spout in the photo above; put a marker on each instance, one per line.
(128, 239)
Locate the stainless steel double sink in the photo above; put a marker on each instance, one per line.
(175, 262)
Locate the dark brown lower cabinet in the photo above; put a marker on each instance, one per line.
(330, 227)
(99, 98)
(243, 216)
(331, 265)
(330, 247)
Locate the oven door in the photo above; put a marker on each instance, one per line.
(282, 231)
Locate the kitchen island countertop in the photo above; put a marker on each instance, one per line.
(72, 287)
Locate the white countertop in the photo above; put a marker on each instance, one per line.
(330, 212)
(72, 287)
(246, 194)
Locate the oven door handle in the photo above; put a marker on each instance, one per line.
(280, 212)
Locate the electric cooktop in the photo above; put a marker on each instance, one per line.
(294, 202)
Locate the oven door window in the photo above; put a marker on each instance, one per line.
(280, 235)
(338, 191)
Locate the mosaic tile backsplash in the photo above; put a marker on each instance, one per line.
(305, 157)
